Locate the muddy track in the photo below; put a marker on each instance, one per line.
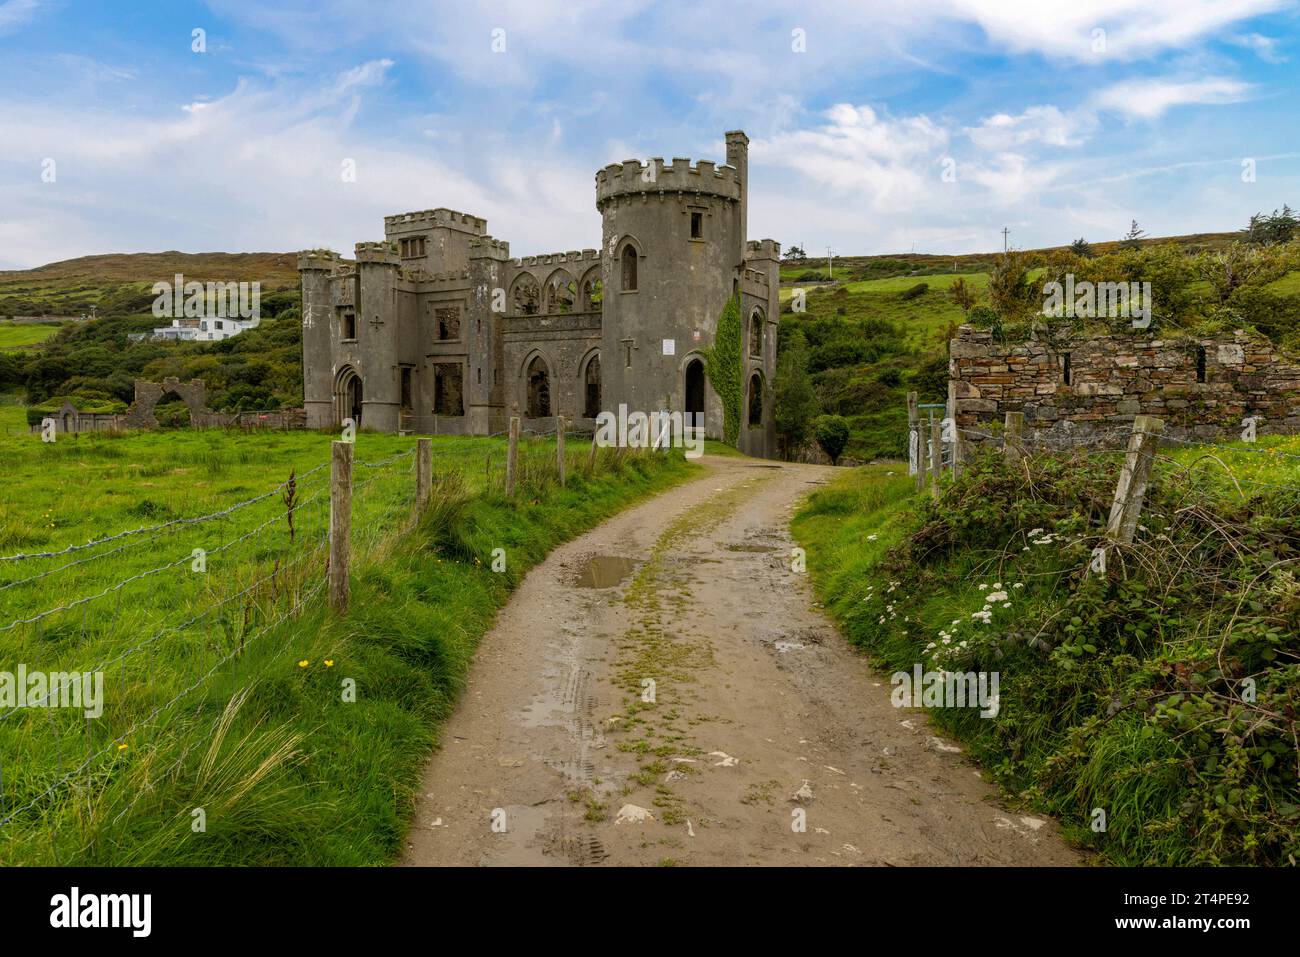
(767, 740)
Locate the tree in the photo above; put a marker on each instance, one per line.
(1081, 247)
(1238, 265)
(1265, 230)
(832, 434)
(796, 252)
(1012, 295)
(961, 293)
(1133, 238)
(795, 401)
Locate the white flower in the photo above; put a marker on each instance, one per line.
(1006, 604)
(994, 596)
(871, 538)
(984, 587)
(1018, 585)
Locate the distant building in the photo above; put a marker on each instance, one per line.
(201, 330)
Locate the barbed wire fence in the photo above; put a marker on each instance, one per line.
(162, 609)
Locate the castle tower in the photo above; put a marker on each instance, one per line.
(435, 240)
(372, 352)
(489, 261)
(316, 270)
(673, 246)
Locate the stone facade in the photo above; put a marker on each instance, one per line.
(438, 329)
(1084, 386)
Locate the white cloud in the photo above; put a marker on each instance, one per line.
(259, 169)
(1148, 99)
(1047, 125)
(15, 13)
(887, 161)
(1266, 48)
(1133, 29)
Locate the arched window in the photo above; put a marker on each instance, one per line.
(591, 394)
(539, 389)
(593, 292)
(755, 399)
(561, 293)
(527, 296)
(756, 333)
(629, 268)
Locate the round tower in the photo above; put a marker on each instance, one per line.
(672, 243)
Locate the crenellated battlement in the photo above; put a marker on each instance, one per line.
(489, 248)
(756, 276)
(585, 257)
(763, 249)
(631, 178)
(323, 259)
(382, 253)
(429, 218)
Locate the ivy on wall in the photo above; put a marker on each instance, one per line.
(722, 364)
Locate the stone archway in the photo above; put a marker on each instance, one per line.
(348, 396)
(148, 394)
(695, 392)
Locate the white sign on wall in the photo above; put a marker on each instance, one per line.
(670, 347)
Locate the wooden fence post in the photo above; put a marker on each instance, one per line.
(340, 524)
(512, 456)
(1013, 442)
(1133, 478)
(423, 473)
(913, 445)
(559, 446)
(936, 459)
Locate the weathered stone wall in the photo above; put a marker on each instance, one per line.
(1200, 387)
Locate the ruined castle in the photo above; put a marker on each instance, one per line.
(438, 330)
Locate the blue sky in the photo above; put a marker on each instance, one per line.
(1056, 119)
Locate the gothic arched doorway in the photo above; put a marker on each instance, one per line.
(539, 389)
(694, 394)
(348, 397)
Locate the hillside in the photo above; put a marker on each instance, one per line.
(119, 283)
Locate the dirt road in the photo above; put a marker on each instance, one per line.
(664, 690)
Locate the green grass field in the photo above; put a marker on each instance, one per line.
(226, 683)
(20, 335)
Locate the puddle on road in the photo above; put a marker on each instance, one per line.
(605, 571)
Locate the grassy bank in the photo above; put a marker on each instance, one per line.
(1158, 699)
(242, 723)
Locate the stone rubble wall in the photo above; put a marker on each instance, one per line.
(1113, 378)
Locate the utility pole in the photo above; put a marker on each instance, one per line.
(830, 263)
(1004, 239)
